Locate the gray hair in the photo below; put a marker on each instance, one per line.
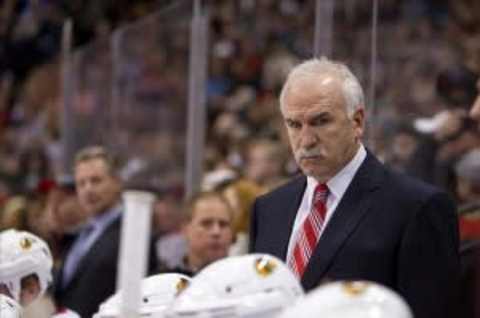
(351, 88)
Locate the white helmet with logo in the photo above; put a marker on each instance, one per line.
(254, 285)
(354, 299)
(22, 254)
(158, 292)
(9, 308)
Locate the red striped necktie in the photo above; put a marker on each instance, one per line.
(309, 233)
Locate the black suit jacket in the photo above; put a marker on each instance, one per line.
(96, 275)
(388, 228)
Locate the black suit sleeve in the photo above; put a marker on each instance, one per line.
(428, 264)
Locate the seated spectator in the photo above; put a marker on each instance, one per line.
(13, 214)
(170, 243)
(265, 160)
(241, 194)
(208, 231)
(64, 217)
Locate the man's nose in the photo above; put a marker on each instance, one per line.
(215, 229)
(308, 139)
(87, 187)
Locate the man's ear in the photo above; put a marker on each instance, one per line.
(358, 119)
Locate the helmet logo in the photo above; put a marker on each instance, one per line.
(26, 243)
(264, 266)
(354, 288)
(181, 285)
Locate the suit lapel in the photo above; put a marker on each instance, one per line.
(94, 250)
(348, 214)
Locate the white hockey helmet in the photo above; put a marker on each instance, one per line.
(350, 299)
(254, 285)
(22, 254)
(158, 292)
(9, 308)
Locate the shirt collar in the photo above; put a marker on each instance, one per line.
(339, 183)
(105, 219)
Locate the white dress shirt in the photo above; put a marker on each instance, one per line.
(336, 187)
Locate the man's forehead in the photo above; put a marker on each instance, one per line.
(305, 114)
(91, 166)
(206, 214)
(320, 81)
(313, 87)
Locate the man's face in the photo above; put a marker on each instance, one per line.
(97, 189)
(475, 110)
(30, 290)
(322, 135)
(209, 232)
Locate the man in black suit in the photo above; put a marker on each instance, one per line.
(89, 271)
(470, 251)
(371, 223)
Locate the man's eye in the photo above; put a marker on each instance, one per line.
(293, 124)
(206, 223)
(320, 120)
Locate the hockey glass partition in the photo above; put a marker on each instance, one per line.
(397, 50)
(149, 95)
(253, 45)
(86, 99)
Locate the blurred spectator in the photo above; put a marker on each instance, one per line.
(170, 243)
(468, 190)
(241, 194)
(265, 163)
(469, 222)
(14, 214)
(64, 217)
(475, 110)
(448, 134)
(402, 146)
(208, 231)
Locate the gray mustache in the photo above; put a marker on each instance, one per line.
(303, 153)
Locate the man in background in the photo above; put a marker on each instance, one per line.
(89, 271)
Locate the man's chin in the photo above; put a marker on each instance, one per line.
(95, 210)
(216, 255)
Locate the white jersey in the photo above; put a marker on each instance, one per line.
(65, 313)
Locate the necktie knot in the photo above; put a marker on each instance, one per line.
(320, 194)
